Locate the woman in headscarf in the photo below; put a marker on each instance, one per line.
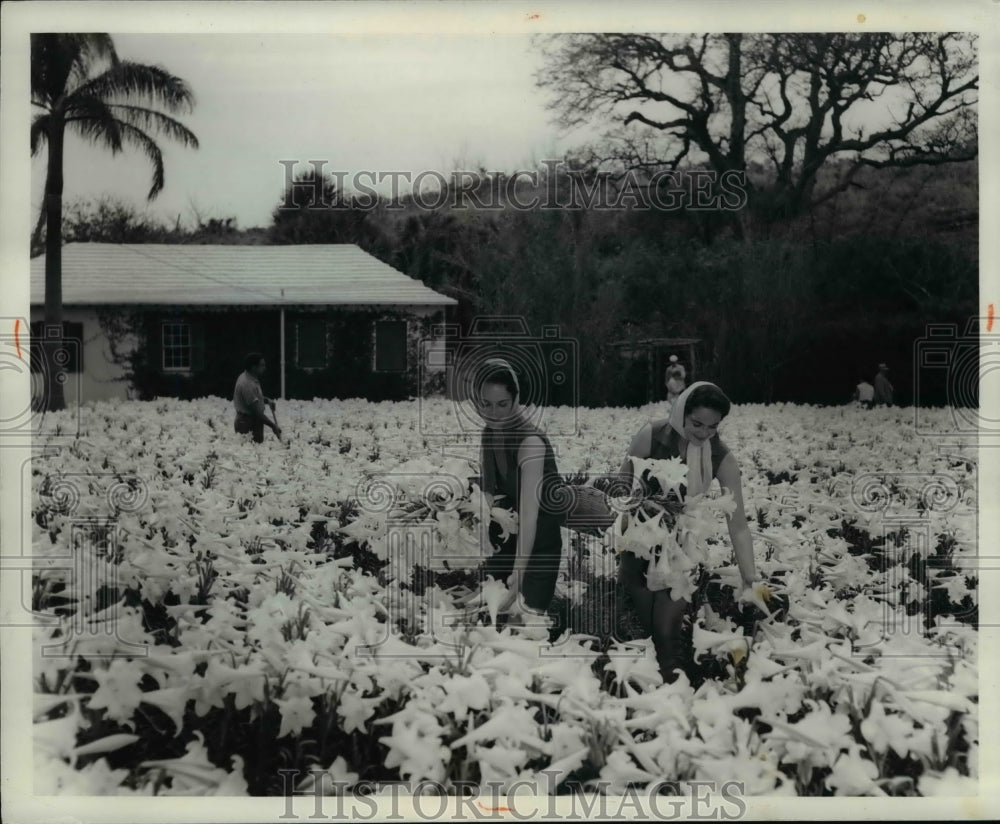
(691, 434)
(519, 473)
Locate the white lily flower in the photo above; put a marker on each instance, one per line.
(854, 775)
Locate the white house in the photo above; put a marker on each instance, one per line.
(158, 319)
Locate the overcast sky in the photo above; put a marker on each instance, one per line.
(385, 86)
(378, 102)
(451, 93)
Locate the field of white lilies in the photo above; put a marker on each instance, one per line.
(233, 612)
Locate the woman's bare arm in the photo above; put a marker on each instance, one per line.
(488, 493)
(641, 447)
(739, 533)
(531, 461)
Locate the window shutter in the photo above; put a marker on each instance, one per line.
(197, 346)
(311, 345)
(153, 327)
(390, 346)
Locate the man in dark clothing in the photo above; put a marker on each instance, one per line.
(883, 389)
(249, 400)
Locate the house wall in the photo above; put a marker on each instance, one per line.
(351, 360)
(221, 339)
(100, 379)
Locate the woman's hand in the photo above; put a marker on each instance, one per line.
(461, 594)
(512, 600)
(757, 593)
(513, 590)
(470, 600)
(473, 599)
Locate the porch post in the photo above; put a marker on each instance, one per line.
(283, 353)
(650, 380)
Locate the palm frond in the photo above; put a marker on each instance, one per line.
(94, 121)
(91, 49)
(152, 120)
(39, 132)
(148, 147)
(136, 81)
(117, 106)
(61, 61)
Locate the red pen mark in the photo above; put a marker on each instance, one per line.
(493, 809)
(534, 16)
(17, 343)
(989, 318)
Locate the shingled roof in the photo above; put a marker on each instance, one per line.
(224, 275)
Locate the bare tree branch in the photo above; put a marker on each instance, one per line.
(789, 103)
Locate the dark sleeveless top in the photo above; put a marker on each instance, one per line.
(507, 478)
(666, 443)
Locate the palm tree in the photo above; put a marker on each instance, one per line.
(116, 107)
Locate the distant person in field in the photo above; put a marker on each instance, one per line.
(864, 394)
(883, 389)
(676, 377)
(250, 402)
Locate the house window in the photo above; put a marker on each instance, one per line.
(176, 347)
(310, 343)
(390, 346)
(69, 354)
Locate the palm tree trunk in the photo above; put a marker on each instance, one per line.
(37, 241)
(54, 398)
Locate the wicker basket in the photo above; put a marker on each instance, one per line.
(588, 510)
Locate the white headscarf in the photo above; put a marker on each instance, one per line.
(698, 458)
(491, 365)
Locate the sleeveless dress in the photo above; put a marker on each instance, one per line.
(666, 620)
(666, 444)
(502, 476)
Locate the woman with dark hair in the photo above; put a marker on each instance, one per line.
(519, 473)
(691, 434)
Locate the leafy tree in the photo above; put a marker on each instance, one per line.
(112, 219)
(116, 107)
(911, 202)
(442, 249)
(109, 219)
(778, 107)
(315, 210)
